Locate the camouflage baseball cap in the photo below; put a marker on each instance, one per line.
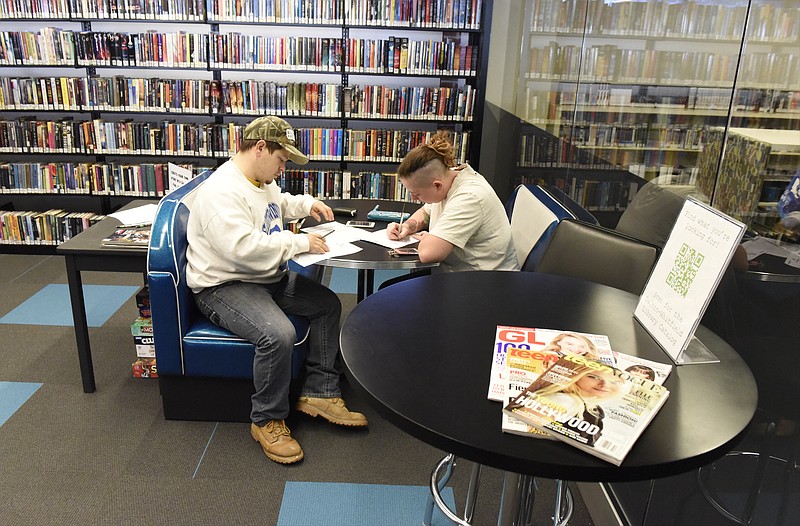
(277, 130)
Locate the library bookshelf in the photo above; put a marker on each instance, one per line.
(626, 92)
(97, 97)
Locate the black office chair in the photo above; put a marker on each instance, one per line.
(600, 255)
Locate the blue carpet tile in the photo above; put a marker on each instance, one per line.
(51, 305)
(335, 504)
(13, 395)
(345, 280)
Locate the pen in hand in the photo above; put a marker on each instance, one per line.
(402, 217)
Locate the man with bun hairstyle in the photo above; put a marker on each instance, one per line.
(237, 268)
(462, 223)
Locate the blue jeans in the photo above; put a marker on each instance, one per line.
(257, 313)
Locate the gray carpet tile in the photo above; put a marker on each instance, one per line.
(109, 457)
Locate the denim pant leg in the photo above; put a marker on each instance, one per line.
(323, 309)
(249, 311)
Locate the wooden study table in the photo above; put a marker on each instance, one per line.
(421, 352)
(86, 252)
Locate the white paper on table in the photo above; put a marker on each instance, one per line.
(380, 237)
(336, 249)
(763, 245)
(141, 215)
(341, 233)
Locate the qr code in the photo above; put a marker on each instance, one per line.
(684, 270)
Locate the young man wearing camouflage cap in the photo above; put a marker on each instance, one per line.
(237, 268)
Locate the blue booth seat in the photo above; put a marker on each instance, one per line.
(205, 372)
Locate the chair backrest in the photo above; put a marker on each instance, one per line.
(652, 213)
(534, 214)
(172, 304)
(600, 255)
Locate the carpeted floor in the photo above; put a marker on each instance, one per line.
(110, 457)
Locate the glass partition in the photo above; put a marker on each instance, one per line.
(629, 106)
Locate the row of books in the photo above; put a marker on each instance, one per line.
(572, 386)
(645, 135)
(548, 151)
(338, 184)
(410, 102)
(57, 47)
(767, 22)
(683, 97)
(608, 63)
(142, 180)
(148, 49)
(152, 180)
(445, 14)
(401, 55)
(28, 135)
(52, 227)
(392, 145)
(237, 97)
(179, 10)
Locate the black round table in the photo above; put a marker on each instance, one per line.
(421, 351)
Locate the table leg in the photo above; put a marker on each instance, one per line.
(81, 325)
(366, 283)
(516, 502)
(370, 281)
(361, 285)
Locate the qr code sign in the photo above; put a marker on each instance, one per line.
(683, 272)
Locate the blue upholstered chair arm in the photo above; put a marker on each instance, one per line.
(167, 329)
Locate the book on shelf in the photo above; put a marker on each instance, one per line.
(590, 405)
(129, 236)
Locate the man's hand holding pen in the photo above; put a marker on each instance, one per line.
(317, 244)
(398, 231)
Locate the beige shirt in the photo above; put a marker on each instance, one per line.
(474, 220)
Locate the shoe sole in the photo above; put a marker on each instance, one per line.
(312, 411)
(273, 456)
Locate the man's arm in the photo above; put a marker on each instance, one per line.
(433, 249)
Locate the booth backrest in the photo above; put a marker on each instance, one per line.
(172, 304)
(534, 213)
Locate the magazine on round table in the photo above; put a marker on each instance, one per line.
(590, 405)
(550, 341)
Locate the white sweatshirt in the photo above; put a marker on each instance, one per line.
(235, 230)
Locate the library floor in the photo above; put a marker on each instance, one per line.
(110, 457)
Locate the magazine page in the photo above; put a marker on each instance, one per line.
(653, 371)
(590, 405)
(554, 341)
(133, 236)
(523, 367)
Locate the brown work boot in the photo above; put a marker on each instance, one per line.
(331, 409)
(277, 442)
